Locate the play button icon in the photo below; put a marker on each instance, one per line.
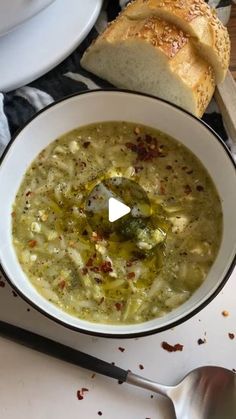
(117, 210)
(114, 206)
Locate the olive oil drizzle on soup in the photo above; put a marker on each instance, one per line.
(160, 260)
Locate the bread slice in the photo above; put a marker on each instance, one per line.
(195, 17)
(151, 56)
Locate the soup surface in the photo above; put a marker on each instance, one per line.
(139, 267)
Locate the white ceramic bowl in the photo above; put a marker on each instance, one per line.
(15, 12)
(97, 106)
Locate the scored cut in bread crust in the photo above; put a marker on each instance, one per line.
(195, 17)
(152, 56)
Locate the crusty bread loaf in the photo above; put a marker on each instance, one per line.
(196, 18)
(152, 56)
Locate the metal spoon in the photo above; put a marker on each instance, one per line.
(205, 393)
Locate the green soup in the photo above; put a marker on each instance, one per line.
(158, 256)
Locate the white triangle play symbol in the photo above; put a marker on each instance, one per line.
(116, 209)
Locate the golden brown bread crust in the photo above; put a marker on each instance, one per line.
(155, 31)
(205, 90)
(196, 18)
(182, 59)
(186, 9)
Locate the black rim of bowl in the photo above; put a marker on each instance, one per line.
(130, 334)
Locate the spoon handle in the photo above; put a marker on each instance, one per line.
(60, 351)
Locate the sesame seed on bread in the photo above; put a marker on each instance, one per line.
(152, 56)
(196, 18)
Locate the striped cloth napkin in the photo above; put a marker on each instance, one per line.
(17, 107)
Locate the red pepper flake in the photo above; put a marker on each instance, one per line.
(62, 284)
(89, 262)
(79, 396)
(28, 193)
(162, 189)
(172, 348)
(2, 284)
(141, 367)
(131, 275)
(118, 306)
(131, 146)
(80, 393)
(199, 188)
(99, 413)
(106, 267)
(86, 144)
(14, 294)
(231, 335)
(201, 341)
(32, 243)
(187, 189)
(121, 349)
(146, 148)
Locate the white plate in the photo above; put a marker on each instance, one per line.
(44, 41)
(13, 13)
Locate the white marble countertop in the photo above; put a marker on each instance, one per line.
(35, 386)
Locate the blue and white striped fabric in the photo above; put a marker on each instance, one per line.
(18, 106)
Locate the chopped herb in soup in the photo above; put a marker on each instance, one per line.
(144, 264)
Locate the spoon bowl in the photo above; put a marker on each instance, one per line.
(205, 393)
